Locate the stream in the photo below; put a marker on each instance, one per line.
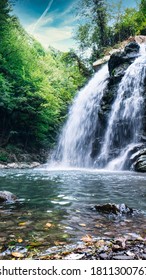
(57, 206)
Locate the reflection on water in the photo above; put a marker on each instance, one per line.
(57, 205)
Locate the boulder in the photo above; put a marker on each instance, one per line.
(119, 61)
(116, 60)
(133, 156)
(6, 196)
(137, 159)
(140, 163)
(119, 71)
(132, 47)
(113, 209)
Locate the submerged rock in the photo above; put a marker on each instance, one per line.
(114, 209)
(6, 196)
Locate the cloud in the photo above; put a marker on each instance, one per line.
(55, 28)
(59, 38)
(44, 22)
(42, 16)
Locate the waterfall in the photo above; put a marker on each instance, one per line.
(124, 125)
(75, 143)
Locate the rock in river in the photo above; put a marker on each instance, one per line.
(6, 196)
(114, 209)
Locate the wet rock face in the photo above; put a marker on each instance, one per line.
(116, 209)
(140, 165)
(115, 61)
(132, 47)
(118, 64)
(140, 161)
(137, 159)
(6, 196)
(119, 61)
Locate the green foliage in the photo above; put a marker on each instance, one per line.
(127, 26)
(36, 87)
(141, 18)
(92, 31)
(103, 24)
(3, 156)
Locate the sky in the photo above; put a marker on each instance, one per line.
(51, 22)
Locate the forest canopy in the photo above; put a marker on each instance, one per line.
(36, 86)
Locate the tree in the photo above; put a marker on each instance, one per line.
(141, 18)
(36, 87)
(92, 31)
(103, 24)
(127, 25)
(143, 6)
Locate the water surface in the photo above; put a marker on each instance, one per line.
(57, 205)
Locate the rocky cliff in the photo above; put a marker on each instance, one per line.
(118, 63)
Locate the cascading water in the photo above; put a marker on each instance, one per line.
(124, 125)
(75, 143)
(124, 121)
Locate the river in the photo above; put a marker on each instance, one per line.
(57, 206)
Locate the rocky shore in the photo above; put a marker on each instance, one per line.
(20, 165)
(122, 248)
(19, 159)
(128, 247)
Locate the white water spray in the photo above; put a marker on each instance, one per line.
(75, 143)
